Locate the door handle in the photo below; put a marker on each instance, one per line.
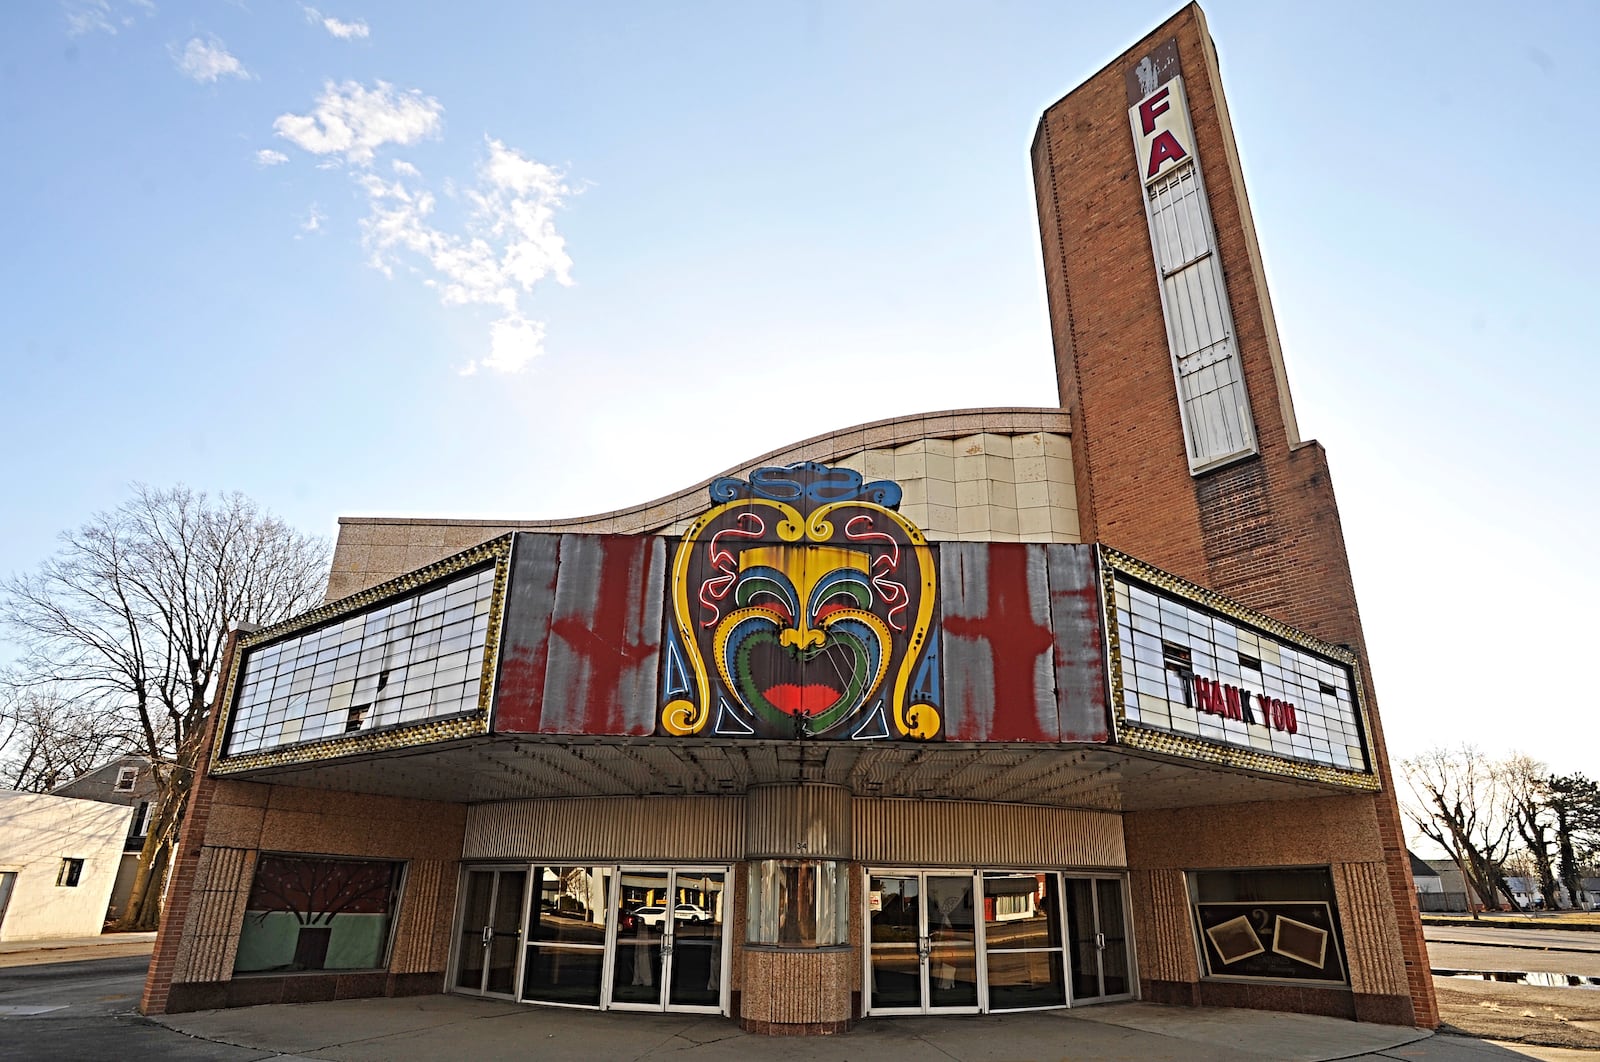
(924, 946)
(1100, 941)
(488, 935)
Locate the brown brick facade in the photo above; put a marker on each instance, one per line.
(1264, 531)
(229, 823)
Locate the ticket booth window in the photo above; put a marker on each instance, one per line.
(798, 903)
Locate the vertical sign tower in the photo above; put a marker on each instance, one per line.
(1188, 456)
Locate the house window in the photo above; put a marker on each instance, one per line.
(69, 874)
(310, 913)
(126, 776)
(139, 827)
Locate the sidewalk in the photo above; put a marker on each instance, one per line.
(448, 1027)
(75, 949)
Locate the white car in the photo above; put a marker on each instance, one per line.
(656, 914)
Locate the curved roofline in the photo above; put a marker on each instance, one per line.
(828, 446)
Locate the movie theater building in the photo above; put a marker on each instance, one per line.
(970, 712)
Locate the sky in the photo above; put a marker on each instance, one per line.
(532, 260)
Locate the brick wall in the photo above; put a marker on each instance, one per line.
(227, 825)
(1264, 531)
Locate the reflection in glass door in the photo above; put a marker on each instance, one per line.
(922, 945)
(670, 941)
(694, 976)
(1022, 948)
(1097, 928)
(491, 920)
(566, 939)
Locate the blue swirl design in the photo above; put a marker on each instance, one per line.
(806, 481)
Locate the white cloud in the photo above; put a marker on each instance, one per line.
(514, 341)
(102, 16)
(354, 121)
(504, 247)
(207, 60)
(345, 31)
(508, 246)
(269, 157)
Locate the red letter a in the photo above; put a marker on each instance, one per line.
(1165, 148)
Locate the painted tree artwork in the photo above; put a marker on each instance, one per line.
(302, 903)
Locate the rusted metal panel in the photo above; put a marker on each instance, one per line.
(1076, 619)
(999, 678)
(681, 829)
(1154, 69)
(605, 636)
(970, 834)
(525, 638)
(798, 822)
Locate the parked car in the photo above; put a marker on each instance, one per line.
(655, 914)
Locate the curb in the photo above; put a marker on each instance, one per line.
(1501, 923)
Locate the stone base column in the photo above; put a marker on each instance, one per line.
(800, 992)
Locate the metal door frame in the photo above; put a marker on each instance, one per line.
(668, 939)
(924, 947)
(1121, 882)
(1061, 927)
(458, 928)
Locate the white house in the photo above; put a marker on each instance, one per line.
(58, 862)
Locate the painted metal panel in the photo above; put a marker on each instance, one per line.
(798, 822)
(999, 677)
(966, 833)
(605, 636)
(1075, 618)
(802, 607)
(667, 828)
(525, 644)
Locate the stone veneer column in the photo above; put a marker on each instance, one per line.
(797, 991)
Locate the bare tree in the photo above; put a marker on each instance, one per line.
(1461, 806)
(1527, 790)
(131, 617)
(1574, 801)
(46, 741)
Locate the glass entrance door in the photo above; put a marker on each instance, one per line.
(670, 940)
(491, 920)
(1097, 929)
(1022, 948)
(922, 942)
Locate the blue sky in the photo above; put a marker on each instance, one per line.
(241, 256)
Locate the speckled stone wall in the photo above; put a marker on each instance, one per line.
(247, 818)
(211, 935)
(1341, 833)
(797, 992)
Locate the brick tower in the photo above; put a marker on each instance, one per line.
(1187, 454)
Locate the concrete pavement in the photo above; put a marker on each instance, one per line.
(448, 1027)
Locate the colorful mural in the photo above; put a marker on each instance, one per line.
(802, 606)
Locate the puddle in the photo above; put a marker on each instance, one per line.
(1512, 977)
